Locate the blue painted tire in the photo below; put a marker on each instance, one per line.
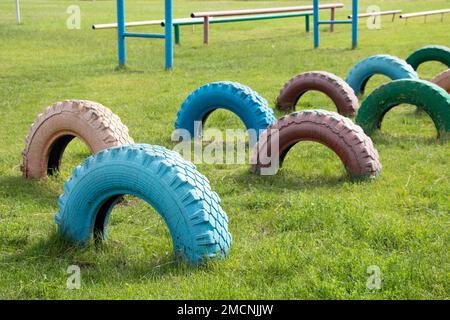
(247, 104)
(170, 184)
(390, 66)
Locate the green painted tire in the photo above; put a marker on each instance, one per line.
(425, 95)
(429, 53)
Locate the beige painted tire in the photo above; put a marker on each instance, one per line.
(97, 126)
(443, 80)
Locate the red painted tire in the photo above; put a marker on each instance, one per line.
(334, 87)
(443, 80)
(340, 134)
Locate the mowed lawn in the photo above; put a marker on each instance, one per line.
(306, 233)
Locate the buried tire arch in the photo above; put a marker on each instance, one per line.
(248, 105)
(327, 83)
(443, 80)
(387, 65)
(429, 53)
(348, 141)
(425, 95)
(94, 124)
(161, 177)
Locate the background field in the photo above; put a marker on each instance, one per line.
(307, 233)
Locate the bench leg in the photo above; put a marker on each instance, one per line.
(333, 16)
(307, 25)
(205, 30)
(177, 33)
(393, 17)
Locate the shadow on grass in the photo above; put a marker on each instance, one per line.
(27, 190)
(284, 179)
(127, 70)
(385, 138)
(289, 179)
(105, 261)
(399, 133)
(338, 50)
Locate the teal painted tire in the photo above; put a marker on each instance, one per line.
(425, 95)
(247, 104)
(390, 66)
(429, 53)
(170, 184)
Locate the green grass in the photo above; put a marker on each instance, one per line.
(306, 233)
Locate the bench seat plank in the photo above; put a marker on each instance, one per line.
(374, 14)
(263, 10)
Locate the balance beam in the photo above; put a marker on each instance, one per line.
(194, 21)
(377, 14)
(262, 10)
(207, 15)
(424, 14)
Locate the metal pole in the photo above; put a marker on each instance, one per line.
(121, 32)
(17, 11)
(316, 23)
(355, 25)
(168, 35)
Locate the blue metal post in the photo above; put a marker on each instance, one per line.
(168, 35)
(355, 24)
(316, 23)
(121, 32)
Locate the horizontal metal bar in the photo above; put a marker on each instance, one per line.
(335, 22)
(262, 10)
(238, 19)
(144, 35)
(127, 24)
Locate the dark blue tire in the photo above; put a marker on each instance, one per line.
(170, 184)
(247, 104)
(390, 66)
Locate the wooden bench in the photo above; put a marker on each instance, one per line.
(194, 21)
(377, 14)
(425, 14)
(208, 15)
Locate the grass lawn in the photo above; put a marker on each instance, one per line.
(306, 233)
